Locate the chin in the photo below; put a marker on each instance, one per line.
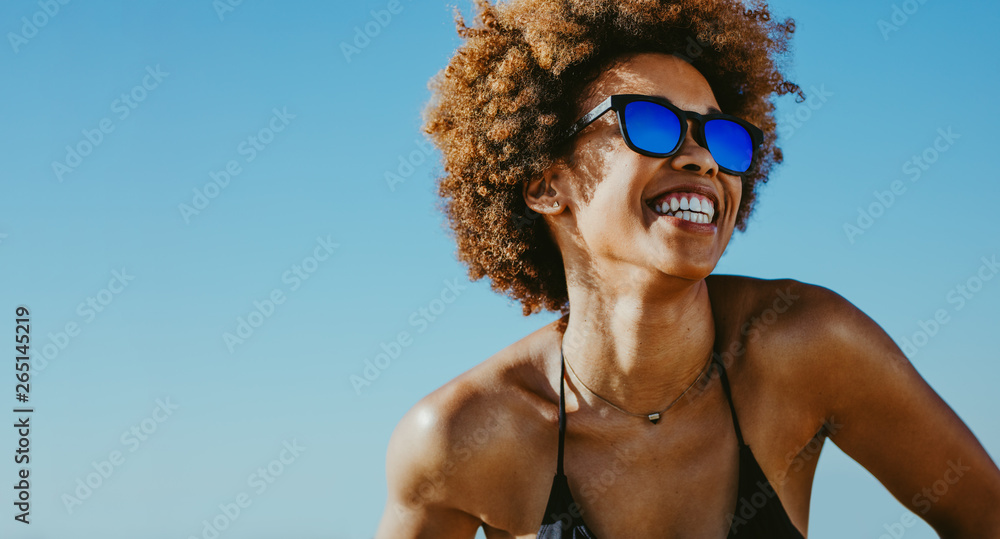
(687, 269)
(692, 264)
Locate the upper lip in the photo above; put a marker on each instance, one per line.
(690, 188)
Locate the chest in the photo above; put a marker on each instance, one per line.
(681, 476)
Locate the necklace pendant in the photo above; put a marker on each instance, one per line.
(654, 417)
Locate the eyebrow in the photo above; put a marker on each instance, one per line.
(711, 110)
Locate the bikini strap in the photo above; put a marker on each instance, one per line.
(729, 397)
(562, 411)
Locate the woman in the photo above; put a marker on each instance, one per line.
(599, 155)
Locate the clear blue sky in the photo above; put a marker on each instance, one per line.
(307, 216)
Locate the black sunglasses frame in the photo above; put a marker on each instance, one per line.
(618, 102)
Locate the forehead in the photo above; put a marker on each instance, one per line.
(655, 74)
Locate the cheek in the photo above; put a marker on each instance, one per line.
(607, 211)
(611, 213)
(617, 184)
(734, 193)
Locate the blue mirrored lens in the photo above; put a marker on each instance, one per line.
(652, 127)
(730, 144)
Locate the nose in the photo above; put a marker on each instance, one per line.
(692, 155)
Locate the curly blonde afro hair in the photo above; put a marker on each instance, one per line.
(499, 108)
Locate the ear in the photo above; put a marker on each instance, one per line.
(548, 193)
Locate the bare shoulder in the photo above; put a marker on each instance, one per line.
(800, 325)
(785, 319)
(817, 356)
(801, 339)
(785, 337)
(460, 437)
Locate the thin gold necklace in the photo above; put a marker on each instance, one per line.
(653, 417)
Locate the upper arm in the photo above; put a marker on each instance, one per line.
(887, 418)
(421, 503)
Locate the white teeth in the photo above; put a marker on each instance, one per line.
(694, 217)
(689, 207)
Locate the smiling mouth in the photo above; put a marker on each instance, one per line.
(692, 207)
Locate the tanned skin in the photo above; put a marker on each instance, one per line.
(804, 365)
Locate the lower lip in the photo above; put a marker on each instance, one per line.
(683, 224)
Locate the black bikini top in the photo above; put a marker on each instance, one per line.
(758, 512)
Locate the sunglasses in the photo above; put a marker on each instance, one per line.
(653, 126)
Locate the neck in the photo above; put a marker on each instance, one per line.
(640, 351)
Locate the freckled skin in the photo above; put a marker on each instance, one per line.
(804, 365)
